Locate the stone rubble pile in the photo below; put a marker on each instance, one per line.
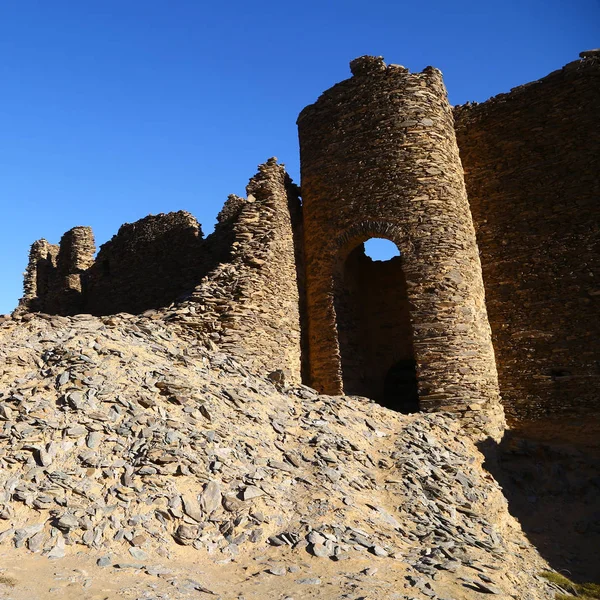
(118, 436)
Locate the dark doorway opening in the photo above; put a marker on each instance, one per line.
(374, 330)
(400, 391)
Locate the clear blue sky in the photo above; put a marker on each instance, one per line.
(114, 109)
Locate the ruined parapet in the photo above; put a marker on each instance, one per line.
(147, 264)
(379, 159)
(532, 169)
(219, 244)
(249, 304)
(231, 210)
(75, 256)
(40, 273)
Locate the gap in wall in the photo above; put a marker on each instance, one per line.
(374, 329)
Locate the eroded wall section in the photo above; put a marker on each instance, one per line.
(39, 275)
(249, 305)
(55, 276)
(147, 264)
(239, 288)
(66, 295)
(532, 167)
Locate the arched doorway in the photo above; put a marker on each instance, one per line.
(373, 325)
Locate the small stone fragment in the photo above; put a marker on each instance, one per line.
(378, 551)
(104, 561)
(252, 492)
(210, 498)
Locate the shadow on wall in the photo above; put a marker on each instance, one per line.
(375, 332)
(146, 265)
(553, 489)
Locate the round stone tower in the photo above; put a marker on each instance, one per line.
(379, 159)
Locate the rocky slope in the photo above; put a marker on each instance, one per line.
(123, 444)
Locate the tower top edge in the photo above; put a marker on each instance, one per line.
(372, 65)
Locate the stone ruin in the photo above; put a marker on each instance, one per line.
(493, 207)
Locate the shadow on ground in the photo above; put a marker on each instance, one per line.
(552, 485)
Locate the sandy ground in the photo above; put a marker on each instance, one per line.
(29, 577)
(24, 576)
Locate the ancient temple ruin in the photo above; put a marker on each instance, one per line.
(493, 208)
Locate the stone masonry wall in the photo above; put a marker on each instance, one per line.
(249, 305)
(532, 168)
(65, 294)
(239, 288)
(379, 159)
(148, 264)
(39, 276)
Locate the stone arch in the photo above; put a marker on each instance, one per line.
(371, 310)
(364, 230)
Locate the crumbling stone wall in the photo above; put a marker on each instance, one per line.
(379, 159)
(55, 276)
(239, 288)
(147, 264)
(532, 168)
(39, 275)
(75, 255)
(249, 305)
